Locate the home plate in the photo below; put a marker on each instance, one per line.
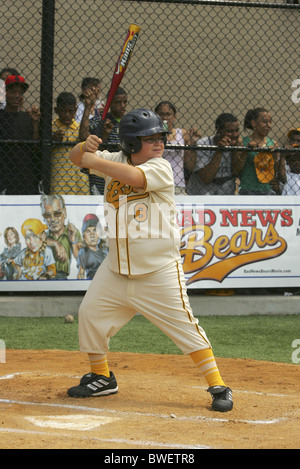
(78, 422)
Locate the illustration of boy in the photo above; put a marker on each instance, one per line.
(93, 250)
(36, 261)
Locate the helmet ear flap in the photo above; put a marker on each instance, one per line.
(131, 144)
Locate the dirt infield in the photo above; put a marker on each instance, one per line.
(162, 404)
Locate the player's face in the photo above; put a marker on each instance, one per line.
(152, 147)
(90, 236)
(54, 216)
(33, 242)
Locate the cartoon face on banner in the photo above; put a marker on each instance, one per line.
(240, 242)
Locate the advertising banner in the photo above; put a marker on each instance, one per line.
(226, 241)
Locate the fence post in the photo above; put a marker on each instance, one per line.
(46, 97)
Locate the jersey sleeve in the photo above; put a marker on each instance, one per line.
(106, 155)
(158, 175)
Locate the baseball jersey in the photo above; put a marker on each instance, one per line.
(143, 233)
(36, 267)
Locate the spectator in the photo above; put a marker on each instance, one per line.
(289, 165)
(64, 240)
(13, 249)
(4, 73)
(213, 170)
(257, 170)
(182, 161)
(94, 249)
(65, 177)
(90, 99)
(18, 161)
(108, 132)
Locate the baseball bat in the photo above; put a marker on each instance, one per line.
(132, 34)
(120, 69)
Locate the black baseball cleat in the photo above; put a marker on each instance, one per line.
(92, 385)
(222, 398)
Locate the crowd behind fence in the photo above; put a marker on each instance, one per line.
(223, 76)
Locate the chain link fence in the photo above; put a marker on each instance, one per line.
(211, 61)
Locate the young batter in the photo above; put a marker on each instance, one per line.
(143, 271)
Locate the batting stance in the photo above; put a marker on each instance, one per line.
(143, 271)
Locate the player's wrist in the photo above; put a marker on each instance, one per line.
(82, 150)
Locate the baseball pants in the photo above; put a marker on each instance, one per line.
(113, 299)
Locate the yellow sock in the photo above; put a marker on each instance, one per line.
(205, 361)
(99, 364)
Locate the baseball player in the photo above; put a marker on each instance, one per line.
(143, 271)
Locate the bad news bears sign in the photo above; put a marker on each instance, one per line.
(226, 242)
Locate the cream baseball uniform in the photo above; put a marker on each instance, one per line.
(143, 271)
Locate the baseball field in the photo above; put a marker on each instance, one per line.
(162, 403)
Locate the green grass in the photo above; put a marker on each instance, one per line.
(257, 337)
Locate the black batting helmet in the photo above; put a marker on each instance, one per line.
(139, 123)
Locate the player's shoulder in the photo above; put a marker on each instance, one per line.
(158, 162)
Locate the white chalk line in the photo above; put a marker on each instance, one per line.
(142, 414)
(236, 391)
(257, 393)
(131, 443)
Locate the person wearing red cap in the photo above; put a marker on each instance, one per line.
(18, 161)
(4, 73)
